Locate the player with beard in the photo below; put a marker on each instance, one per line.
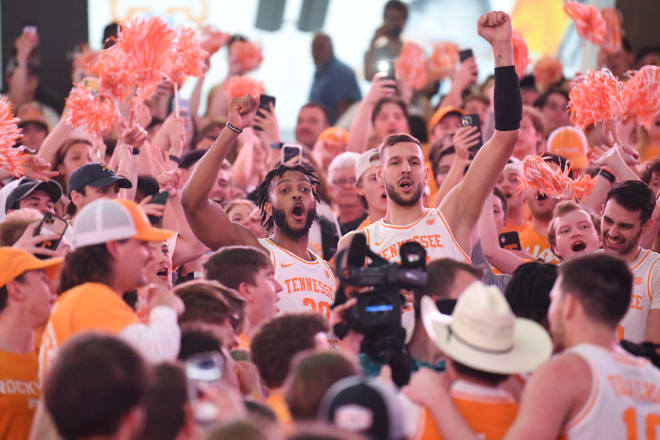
(446, 232)
(626, 218)
(287, 202)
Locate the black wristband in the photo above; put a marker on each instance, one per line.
(606, 175)
(232, 128)
(508, 100)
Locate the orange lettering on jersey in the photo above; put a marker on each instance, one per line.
(427, 241)
(638, 281)
(635, 389)
(636, 302)
(308, 284)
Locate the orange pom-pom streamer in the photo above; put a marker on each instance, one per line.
(612, 39)
(188, 56)
(85, 58)
(547, 71)
(238, 86)
(588, 21)
(90, 110)
(520, 53)
(594, 99)
(410, 66)
(10, 158)
(547, 178)
(640, 96)
(114, 73)
(213, 39)
(443, 60)
(246, 55)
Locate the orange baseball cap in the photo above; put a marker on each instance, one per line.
(337, 134)
(441, 113)
(571, 143)
(15, 262)
(106, 220)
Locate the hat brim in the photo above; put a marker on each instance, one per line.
(531, 344)
(104, 181)
(51, 266)
(41, 124)
(154, 234)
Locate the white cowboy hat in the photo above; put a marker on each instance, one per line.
(483, 333)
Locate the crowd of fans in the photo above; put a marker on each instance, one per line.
(177, 278)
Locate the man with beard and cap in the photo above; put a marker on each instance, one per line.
(626, 218)
(287, 201)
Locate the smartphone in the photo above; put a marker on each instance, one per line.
(387, 66)
(30, 25)
(203, 370)
(158, 199)
(510, 240)
(473, 120)
(465, 54)
(51, 224)
(264, 103)
(290, 152)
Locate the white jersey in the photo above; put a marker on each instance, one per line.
(645, 295)
(430, 230)
(624, 402)
(308, 286)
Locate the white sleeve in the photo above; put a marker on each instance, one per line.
(157, 341)
(654, 285)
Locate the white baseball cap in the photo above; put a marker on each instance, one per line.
(484, 334)
(368, 159)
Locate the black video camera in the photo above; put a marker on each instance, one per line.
(377, 314)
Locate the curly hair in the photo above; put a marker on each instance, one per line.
(262, 191)
(89, 264)
(279, 340)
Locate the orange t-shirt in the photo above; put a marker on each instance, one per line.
(489, 411)
(537, 245)
(87, 307)
(19, 394)
(243, 342)
(277, 403)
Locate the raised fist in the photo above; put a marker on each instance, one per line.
(495, 27)
(241, 111)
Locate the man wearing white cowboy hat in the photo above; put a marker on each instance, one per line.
(593, 389)
(484, 343)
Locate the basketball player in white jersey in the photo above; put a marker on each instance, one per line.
(446, 232)
(288, 204)
(626, 218)
(592, 389)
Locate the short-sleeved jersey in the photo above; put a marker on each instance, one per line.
(308, 286)
(624, 401)
(19, 393)
(87, 307)
(489, 411)
(430, 230)
(537, 245)
(645, 295)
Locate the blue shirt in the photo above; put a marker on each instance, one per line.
(333, 83)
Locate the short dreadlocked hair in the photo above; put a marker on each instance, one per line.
(262, 191)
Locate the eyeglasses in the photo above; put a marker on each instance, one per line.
(344, 181)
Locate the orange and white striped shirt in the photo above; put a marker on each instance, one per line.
(308, 286)
(489, 411)
(624, 402)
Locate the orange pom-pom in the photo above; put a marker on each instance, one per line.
(246, 55)
(10, 158)
(90, 110)
(520, 53)
(640, 96)
(115, 77)
(547, 178)
(612, 40)
(85, 58)
(213, 39)
(589, 23)
(443, 60)
(188, 56)
(547, 71)
(410, 66)
(594, 99)
(238, 86)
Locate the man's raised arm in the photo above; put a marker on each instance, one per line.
(208, 220)
(462, 206)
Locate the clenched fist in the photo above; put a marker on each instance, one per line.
(495, 27)
(241, 111)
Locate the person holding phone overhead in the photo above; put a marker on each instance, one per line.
(287, 201)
